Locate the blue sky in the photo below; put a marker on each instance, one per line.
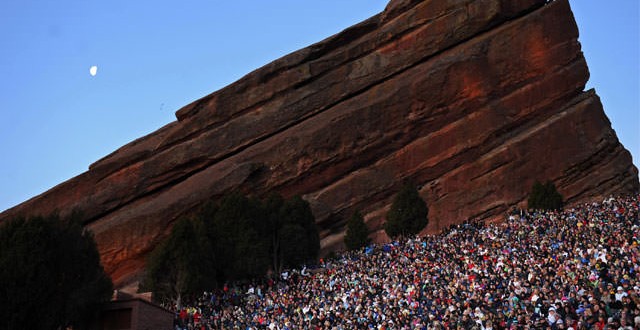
(155, 57)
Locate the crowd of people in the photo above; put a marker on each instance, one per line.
(572, 269)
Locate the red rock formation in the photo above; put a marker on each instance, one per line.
(473, 100)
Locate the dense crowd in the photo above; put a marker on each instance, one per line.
(572, 269)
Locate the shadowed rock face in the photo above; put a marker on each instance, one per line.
(471, 100)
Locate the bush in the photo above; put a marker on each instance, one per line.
(408, 213)
(50, 273)
(357, 235)
(544, 197)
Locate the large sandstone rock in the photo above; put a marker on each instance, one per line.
(472, 100)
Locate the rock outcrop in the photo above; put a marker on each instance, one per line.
(471, 100)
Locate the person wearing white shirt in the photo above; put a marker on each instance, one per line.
(620, 293)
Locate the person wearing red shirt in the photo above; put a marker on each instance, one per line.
(183, 317)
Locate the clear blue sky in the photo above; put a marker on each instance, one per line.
(154, 57)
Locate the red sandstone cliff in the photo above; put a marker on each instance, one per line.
(473, 100)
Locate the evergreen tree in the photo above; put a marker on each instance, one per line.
(240, 244)
(357, 235)
(246, 236)
(299, 237)
(50, 273)
(408, 213)
(545, 197)
(183, 264)
(272, 210)
(290, 226)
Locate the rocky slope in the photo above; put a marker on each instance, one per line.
(472, 100)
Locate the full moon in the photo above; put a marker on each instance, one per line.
(93, 70)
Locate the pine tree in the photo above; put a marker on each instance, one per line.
(240, 243)
(299, 235)
(544, 197)
(51, 267)
(408, 213)
(245, 235)
(272, 208)
(183, 264)
(357, 235)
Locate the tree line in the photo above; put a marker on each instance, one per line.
(235, 238)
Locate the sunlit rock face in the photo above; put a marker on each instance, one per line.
(470, 100)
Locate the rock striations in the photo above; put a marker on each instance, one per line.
(472, 100)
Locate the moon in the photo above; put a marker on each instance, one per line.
(93, 70)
